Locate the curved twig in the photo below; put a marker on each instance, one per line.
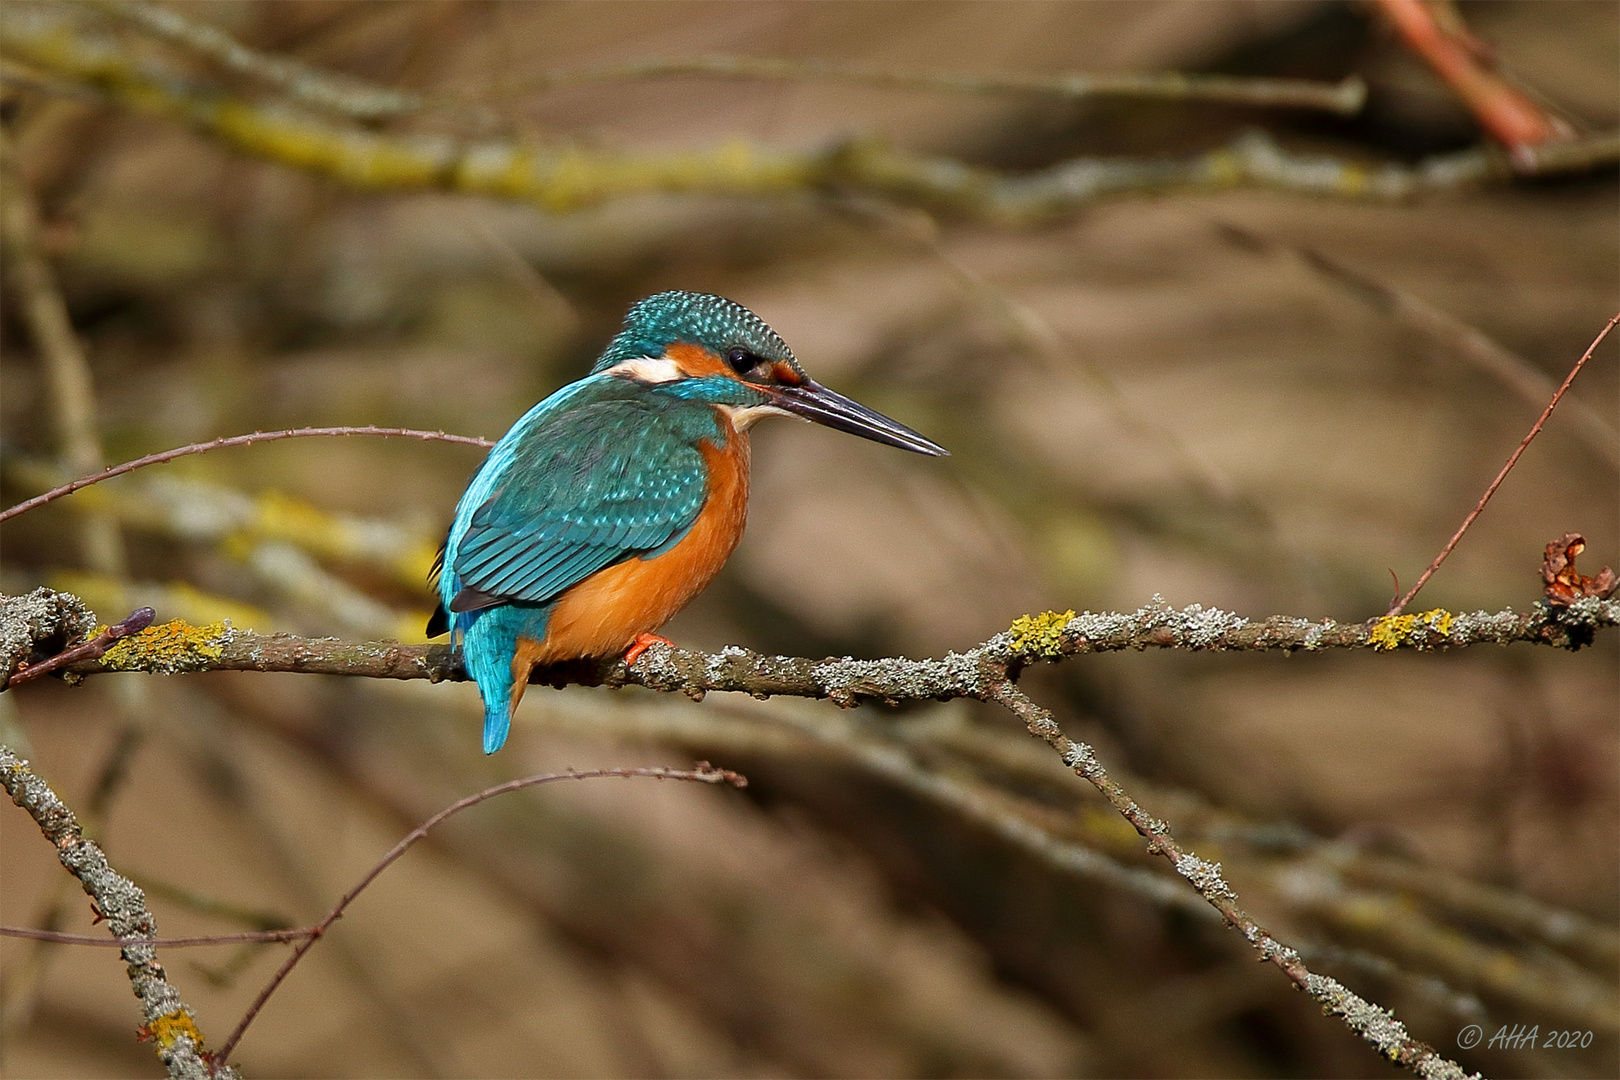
(703, 773)
(226, 441)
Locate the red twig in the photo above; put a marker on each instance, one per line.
(222, 443)
(703, 773)
(1512, 460)
(1505, 112)
(138, 620)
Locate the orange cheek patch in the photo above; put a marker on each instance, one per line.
(695, 360)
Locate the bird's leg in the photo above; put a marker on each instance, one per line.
(642, 643)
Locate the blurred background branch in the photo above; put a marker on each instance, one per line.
(566, 177)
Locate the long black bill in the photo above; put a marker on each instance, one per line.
(815, 402)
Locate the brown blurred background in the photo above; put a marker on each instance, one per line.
(1154, 394)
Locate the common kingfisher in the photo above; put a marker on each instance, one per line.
(612, 503)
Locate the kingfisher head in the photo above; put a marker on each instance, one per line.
(706, 348)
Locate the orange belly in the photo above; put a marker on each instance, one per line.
(602, 615)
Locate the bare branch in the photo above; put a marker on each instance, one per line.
(168, 1019)
(231, 440)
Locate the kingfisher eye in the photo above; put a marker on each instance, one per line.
(741, 360)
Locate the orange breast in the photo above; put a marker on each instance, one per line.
(602, 615)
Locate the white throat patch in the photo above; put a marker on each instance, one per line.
(743, 417)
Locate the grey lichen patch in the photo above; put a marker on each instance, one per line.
(1155, 623)
(954, 675)
(1079, 756)
(1097, 626)
(41, 614)
(1484, 626)
(1206, 876)
(1379, 1027)
(1270, 948)
(1203, 627)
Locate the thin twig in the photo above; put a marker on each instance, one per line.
(1513, 459)
(138, 620)
(226, 441)
(704, 773)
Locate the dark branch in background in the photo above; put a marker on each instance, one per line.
(1345, 97)
(1462, 340)
(1513, 459)
(168, 1021)
(231, 440)
(361, 101)
(245, 937)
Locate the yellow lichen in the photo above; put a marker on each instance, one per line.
(1041, 635)
(170, 1026)
(170, 646)
(1393, 631)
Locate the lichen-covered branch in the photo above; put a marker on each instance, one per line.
(559, 176)
(1375, 1025)
(167, 1020)
(175, 647)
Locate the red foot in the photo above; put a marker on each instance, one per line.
(642, 643)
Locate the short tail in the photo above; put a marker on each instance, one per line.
(488, 645)
(497, 723)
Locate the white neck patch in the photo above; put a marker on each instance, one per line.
(648, 369)
(743, 417)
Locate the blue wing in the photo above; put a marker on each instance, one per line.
(582, 487)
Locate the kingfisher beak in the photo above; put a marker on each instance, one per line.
(815, 402)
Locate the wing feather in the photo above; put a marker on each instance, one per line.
(591, 486)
